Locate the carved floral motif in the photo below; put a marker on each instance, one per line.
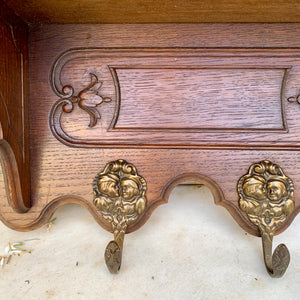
(87, 99)
(266, 196)
(294, 99)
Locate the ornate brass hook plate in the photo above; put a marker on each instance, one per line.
(267, 197)
(120, 196)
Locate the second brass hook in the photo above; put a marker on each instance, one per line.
(119, 193)
(267, 197)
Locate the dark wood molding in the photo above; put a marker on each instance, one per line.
(14, 107)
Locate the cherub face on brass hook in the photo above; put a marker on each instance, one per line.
(267, 197)
(276, 190)
(108, 185)
(120, 196)
(253, 187)
(129, 189)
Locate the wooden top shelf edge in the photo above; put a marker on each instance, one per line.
(169, 11)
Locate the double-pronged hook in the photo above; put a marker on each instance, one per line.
(267, 197)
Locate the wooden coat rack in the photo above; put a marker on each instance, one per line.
(114, 116)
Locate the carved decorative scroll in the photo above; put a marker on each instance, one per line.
(294, 99)
(87, 99)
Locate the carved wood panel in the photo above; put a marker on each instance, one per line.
(175, 98)
(178, 108)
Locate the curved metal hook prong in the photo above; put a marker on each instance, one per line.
(277, 262)
(113, 253)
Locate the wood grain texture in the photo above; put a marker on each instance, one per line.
(14, 107)
(62, 174)
(143, 11)
(199, 97)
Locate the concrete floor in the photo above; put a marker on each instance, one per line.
(189, 249)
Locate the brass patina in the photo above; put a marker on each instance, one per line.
(266, 196)
(119, 193)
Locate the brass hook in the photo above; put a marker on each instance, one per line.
(113, 253)
(278, 262)
(120, 196)
(267, 197)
